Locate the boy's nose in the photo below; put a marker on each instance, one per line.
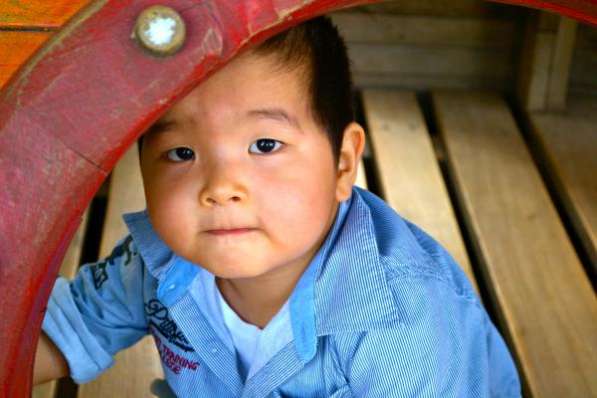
(221, 189)
(218, 198)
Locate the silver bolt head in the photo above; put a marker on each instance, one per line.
(160, 30)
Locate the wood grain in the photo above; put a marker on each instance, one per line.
(546, 305)
(557, 89)
(426, 63)
(408, 170)
(15, 48)
(416, 82)
(38, 13)
(358, 27)
(584, 61)
(568, 144)
(534, 67)
(546, 61)
(125, 195)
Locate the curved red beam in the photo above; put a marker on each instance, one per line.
(74, 109)
(581, 10)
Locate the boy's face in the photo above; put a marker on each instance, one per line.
(242, 180)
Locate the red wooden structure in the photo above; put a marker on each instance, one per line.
(75, 108)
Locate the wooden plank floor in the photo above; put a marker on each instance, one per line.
(517, 251)
(546, 305)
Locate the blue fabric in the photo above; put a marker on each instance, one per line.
(381, 311)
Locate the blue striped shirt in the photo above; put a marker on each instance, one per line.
(382, 310)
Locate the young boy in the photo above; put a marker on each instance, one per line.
(259, 269)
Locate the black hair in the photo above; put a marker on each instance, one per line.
(316, 46)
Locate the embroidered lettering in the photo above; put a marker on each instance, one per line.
(165, 325)
(99, 273)
(172, 360)
(98, 270)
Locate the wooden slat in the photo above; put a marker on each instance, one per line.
(15, 48)
(409, 173)
(416, 60)
(138, 366)
(68, 269)
(397, 80)
(546, 305)
(46, 390)
(412, 62)
(38, 13)
(568, 143)
(452, 8)
(125, 195)
(584, 61)
(557, 89)
(418, 52)
(546, 59)
(358, 27)
(536, 55)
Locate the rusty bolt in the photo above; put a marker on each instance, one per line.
(160, 30)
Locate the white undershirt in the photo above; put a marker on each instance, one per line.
(248, 338)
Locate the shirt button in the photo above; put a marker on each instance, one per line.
(171, 287)
(214, 350)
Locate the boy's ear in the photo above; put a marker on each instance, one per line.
(351, 151)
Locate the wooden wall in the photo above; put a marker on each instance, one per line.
(583, 74)
(433, 44)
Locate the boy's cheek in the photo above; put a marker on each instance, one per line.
(297, 209)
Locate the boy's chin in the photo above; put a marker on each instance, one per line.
(235, 269)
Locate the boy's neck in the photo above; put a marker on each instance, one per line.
(257, 300)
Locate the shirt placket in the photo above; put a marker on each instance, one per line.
(209, 347)
(282, 367)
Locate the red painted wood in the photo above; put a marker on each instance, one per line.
(581, 10)
(73, 111)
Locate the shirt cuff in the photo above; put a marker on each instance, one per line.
(64, 325)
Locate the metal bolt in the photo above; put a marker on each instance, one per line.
(160, 30)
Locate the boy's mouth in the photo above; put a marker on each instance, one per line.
(231, 231)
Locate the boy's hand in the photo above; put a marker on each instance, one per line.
(161, 389)
(49, 361)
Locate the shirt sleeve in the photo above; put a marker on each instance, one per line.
(443, 346)
(99, 312)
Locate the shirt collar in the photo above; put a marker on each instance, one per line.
(302, 299)
(156, 255)
(352, 292)
(174, 273)
(345, 287)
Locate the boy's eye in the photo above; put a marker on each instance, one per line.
(265, 145)
(180, 154)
